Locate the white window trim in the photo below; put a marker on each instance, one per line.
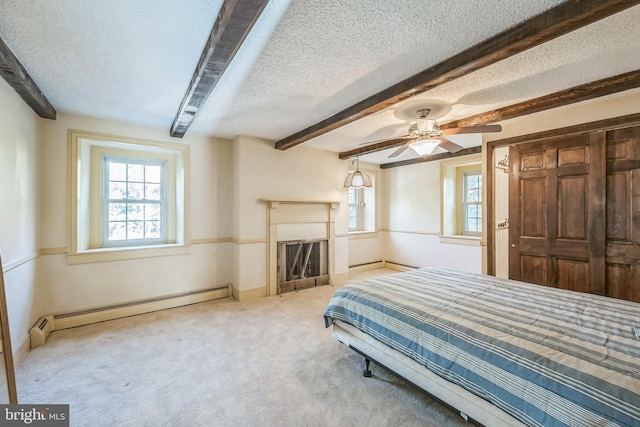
(374, 217)
(450, 222)
(463, 171)
(82, 151)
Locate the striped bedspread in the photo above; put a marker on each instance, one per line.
(546, 356)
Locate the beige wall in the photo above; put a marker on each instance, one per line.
(412, 221)
(19, 211)
(78, 287)
(261, 172)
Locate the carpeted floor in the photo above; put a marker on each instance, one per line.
(267, 362)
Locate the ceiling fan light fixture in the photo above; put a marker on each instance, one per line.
(424, 147)
(426, 125)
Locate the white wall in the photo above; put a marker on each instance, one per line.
(19, 211)
(412, 221)
(261, 172)
(76, 287)
(501, 206)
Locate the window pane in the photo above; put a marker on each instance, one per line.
(152, 173)
(472, 225)
(117, 231)
(136, 191)
(117, 190)
(152, 212)
(472, 181)
(135, 211)
(135, 182)
(117, 212)
(135, 229)
(473, 196)
(152, 191)
(135, 173)
(117, 171)
(152, 229)
(472, 211)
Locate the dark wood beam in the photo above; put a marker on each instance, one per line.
(562, 19)
(585, 92)
(372, 148)
(234, 21)
(16, 75)
(433, 157)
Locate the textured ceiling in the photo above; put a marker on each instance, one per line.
(304, 61)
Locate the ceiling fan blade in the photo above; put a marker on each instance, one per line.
(472, 129)
(450, 146)
(399, 151)
(386, 139)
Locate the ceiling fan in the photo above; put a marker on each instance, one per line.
(425, 135)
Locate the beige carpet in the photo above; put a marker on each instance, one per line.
(267, 362)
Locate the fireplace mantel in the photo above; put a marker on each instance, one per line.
(287, 216)
(275, 203)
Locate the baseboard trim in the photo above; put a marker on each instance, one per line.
(20, 353)
(249, 294)
(87, 317)
(397, 266)
(365, 267)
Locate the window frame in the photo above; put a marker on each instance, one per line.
(366, 209)
(451, 206)
(106, 200)
(85, 151)
(461, 197)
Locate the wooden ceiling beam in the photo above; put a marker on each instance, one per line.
(433, 157)
(234, 21)
(19, 79)
(562, 19)
(585, 92)
(372, 148)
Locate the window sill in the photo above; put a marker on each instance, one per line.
(362, 235)
(122, 253)
(461, 240)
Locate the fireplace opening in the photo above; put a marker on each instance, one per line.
(302, 264)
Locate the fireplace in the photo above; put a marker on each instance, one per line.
(300, 222)
(302, 264)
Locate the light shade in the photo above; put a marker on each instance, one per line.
(357, 179)
(424, 147)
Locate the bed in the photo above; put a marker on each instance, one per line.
(501, 352)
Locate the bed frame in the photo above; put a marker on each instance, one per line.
(470, 407)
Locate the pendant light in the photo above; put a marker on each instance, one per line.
(357, 179)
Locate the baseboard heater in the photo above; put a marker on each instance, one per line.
(50, 323)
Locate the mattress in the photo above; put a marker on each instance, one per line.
(546, 357)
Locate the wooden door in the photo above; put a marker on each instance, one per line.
(623, 214)
(557, 212)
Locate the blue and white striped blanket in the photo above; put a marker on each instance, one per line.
(546, 356)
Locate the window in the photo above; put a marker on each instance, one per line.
(128, 197)
(355, 208)
(471, 200)
(461, 207)
(133, 201)
(362, 207)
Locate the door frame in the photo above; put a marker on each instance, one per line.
(490, 169)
